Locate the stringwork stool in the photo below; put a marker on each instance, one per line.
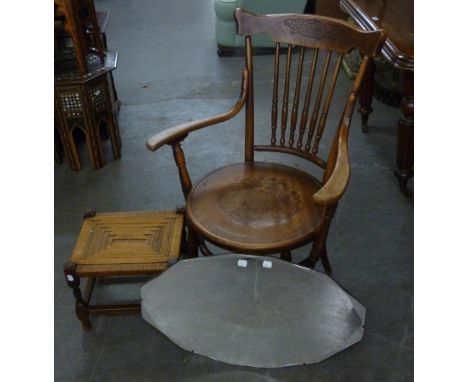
(121, 244)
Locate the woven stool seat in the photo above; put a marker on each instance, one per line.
(121, 244)
(126, 243)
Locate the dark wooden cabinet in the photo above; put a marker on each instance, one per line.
(396, 18)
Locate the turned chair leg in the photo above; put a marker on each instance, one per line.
(81, 306)
(319, 248)
(325, 261)
(317, 254)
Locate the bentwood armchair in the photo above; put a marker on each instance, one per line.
(264, 207)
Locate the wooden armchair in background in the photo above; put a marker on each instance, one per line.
(268, 208)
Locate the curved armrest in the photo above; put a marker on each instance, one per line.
(336, 185)
(180, 131)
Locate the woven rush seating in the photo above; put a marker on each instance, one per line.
(121, 244)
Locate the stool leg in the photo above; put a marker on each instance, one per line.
(81, 306)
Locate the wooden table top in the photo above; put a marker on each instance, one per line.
(396, 17)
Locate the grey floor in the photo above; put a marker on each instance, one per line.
(169, 73)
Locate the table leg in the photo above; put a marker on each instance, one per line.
(405, 140)
(366, 93)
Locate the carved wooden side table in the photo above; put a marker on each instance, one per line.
(87, 102)
(121, 244)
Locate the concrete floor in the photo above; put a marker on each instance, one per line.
(169, 73)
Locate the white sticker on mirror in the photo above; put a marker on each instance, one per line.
(242, 263)
(267, 264)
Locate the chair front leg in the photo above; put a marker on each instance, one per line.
(186, 183)
(325, 261)
(319, 248)
(179, 158)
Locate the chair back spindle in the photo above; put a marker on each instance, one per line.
(284, 110)
(307, 33)
(297, 94)
(249, 106)
(345, 120)
(305, 109)
(274, 103)
(318, 100)
(326, 106)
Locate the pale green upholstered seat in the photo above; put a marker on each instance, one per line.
(226, 26)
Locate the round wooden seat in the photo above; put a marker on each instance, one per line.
(255, 207)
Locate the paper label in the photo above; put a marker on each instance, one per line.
(242, 263)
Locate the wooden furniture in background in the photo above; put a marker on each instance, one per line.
(85, 95)
(225, 22)
(328, 8)
(268, 208)
(75, 17)
(102, 19)
(396, 18)
(121, 244)
(86, 103)
(63, 52)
